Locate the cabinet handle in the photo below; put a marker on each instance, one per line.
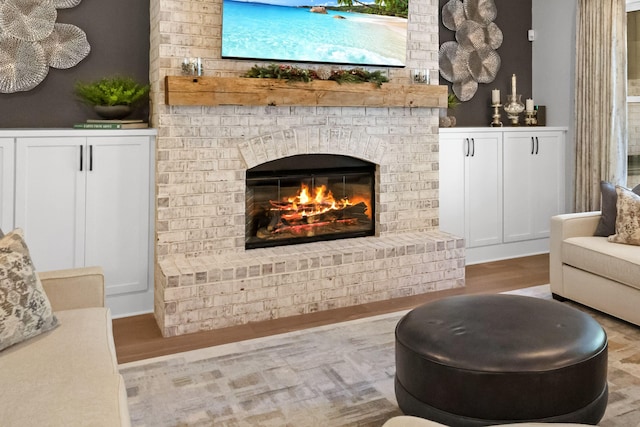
(467, 147)
(537, 145)
(81, 157)
(91, 158)
(473, 147)
(533, 145)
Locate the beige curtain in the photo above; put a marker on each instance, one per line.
(600, 104)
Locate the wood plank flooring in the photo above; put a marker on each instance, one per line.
(138, 337)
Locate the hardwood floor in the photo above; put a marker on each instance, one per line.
(138, 337)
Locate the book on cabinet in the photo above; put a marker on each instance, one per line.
(104, 125)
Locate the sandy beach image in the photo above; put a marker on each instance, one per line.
(394, 23)
(293, 32)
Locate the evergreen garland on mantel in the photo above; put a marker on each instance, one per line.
(292, 73)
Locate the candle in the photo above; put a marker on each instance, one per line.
(495, 96)
(529, 105)
(513, 84)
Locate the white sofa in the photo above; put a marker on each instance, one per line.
(591, 270)
(67, 376)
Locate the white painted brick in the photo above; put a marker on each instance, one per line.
(201, 160)
(296, 310)
(248, 308)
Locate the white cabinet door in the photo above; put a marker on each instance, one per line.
(6, 183)
(471, 186)
(452, 174)
(483, 190)
(117, 211)
(50, 199)
(533, 183)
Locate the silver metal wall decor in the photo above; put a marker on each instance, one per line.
(31, 41)
(472, 58)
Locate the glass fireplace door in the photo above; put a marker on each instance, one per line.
(306, 206)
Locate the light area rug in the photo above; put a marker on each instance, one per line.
(329, 376)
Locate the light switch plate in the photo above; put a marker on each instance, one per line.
(531, 35)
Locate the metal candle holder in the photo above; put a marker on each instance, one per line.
(530, 118)
(514, 107)
(192, 66)
(496, 115)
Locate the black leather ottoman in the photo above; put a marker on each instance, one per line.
(495, 359)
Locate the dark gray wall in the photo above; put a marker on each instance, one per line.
(514, 19)
(118, 32)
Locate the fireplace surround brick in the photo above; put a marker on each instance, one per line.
(211, 292)
(204, 278)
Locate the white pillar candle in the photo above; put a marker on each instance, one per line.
(529, 105)
(495, 96)
(513, 84)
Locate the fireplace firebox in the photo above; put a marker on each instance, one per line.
(309, 198)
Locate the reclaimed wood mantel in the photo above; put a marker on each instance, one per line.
(212, 91)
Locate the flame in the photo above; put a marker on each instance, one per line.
(304, 204)
(321, 202)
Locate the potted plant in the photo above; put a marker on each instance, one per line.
(447, 119)
(112, 97)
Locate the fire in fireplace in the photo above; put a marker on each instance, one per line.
(308, 198)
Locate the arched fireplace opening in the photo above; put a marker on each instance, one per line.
(309, 198)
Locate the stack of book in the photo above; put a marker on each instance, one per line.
(111, 124)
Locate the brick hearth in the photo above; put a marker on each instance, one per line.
(205, 279)
(212, 292)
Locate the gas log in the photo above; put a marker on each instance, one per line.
(298, 222)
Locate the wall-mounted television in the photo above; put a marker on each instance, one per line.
(319, 31)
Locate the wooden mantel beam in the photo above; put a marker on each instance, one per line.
(211, 91)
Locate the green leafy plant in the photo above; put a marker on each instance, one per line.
(111, 91)
(378, 7)
(452, 101)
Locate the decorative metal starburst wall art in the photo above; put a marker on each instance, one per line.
(31, 41)
(472, 58)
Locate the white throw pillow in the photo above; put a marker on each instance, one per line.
(628, 217)
(25, 310)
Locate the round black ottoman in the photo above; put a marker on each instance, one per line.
(494, 359)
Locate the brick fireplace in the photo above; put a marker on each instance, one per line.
(205, 279)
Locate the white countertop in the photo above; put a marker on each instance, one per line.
(503, 129)
(31, 132)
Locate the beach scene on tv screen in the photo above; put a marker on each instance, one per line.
(316, 31)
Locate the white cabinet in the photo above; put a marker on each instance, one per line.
(471, 187)
(117, 211)
(533, 174)
(50, 200)
(6, 183)
(499, 188)
(86, 200)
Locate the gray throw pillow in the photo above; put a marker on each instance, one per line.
(607, 224)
